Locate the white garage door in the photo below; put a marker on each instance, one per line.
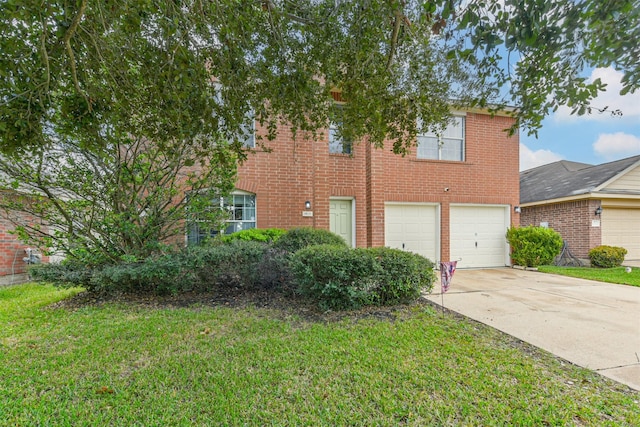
(478, 236)
(413, 228)
(621, 227)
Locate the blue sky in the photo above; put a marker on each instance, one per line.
(595, 138)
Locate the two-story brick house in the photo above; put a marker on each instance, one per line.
(451, 198)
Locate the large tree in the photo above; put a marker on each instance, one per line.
(192, 74)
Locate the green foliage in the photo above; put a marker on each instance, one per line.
(113, 202)
(342, 278)
(75, 70)
(238, 264)
(405, 275)
(533, 246)
(299, 238)
(267, 235)
(607, 256)
(63, 274)
(230, 265)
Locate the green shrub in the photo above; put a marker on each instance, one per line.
(236, 264)
(342, 278)
(607, 256)
(267, 235)
(67, 274)
(160, 275)
(533, 246)
(405, 275)
(231, 265)
(274, 271)
(298, 238)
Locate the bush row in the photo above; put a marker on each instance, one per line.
(238, 263)
(314, 263)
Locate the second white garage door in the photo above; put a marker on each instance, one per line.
(478, 235)
(621, 227)
(413, 227)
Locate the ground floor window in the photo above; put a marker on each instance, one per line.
(241, 210)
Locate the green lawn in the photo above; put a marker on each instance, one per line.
(128, 364)
(611, 275)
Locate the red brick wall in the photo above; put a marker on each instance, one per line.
(11, 251)
(300, 170)
(573, 220)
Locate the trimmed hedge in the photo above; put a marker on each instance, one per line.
(338, 277)
(299, 238)
(607, 256)
(200, 268)
(267, 235)
(533, 246)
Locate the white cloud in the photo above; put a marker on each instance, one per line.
(531, 159)
(613, 146)
(628, 104)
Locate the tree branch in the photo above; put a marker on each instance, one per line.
(67, 42)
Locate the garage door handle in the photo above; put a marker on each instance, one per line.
(403, 246)
(476, 244)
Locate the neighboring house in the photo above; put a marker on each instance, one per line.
(588, 205)
(14, 254)
(451, 198)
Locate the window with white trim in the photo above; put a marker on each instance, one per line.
(449, 145)
(241, 208)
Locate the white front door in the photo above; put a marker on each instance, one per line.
(341, 219)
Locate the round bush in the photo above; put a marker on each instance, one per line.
(607, 256)
(298, 238)
(533, 246)
(342, 278)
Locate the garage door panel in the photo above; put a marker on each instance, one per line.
(412, 228)
(621, 227)
(478, 235)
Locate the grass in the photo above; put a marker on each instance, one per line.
(610, 275)
(126, 364)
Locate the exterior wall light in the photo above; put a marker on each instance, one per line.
(517, 209)
(598, 211)
(307, 204)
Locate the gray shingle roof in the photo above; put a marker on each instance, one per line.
(565, 179)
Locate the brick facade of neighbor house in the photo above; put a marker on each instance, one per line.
(574, 221)
(12, 252)
(589, 205)
(299, 171)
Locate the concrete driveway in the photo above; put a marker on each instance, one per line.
(592, 324)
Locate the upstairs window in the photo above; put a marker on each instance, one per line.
(337, 143)
(449, 145)
(248, 132)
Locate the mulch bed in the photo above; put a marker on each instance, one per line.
(286, 304)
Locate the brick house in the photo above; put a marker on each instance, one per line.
(588, 205)
(451, 198)
(13, 252)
